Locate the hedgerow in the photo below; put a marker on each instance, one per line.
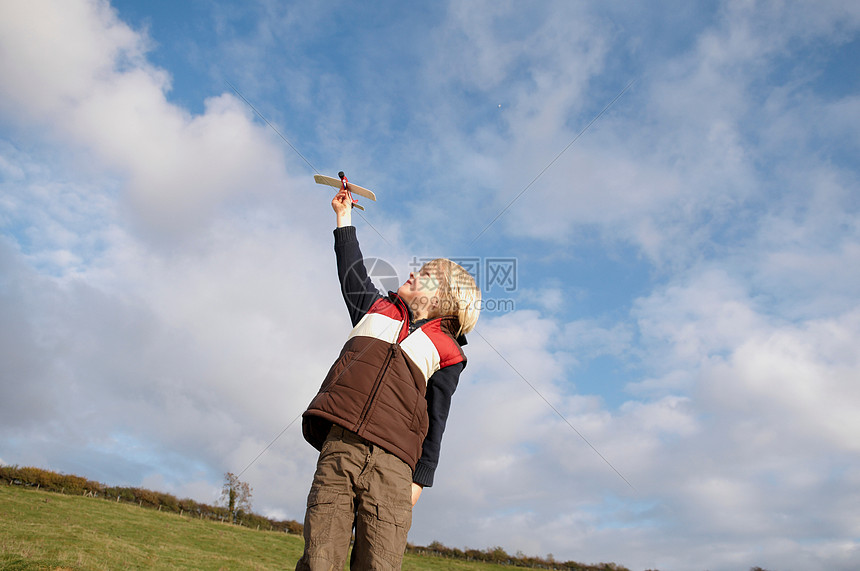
(75, 485)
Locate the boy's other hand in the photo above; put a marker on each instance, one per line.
(416, 492)
(342, 206)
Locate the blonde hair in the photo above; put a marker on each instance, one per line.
(458, 293)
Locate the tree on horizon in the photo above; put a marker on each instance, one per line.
(235, 495)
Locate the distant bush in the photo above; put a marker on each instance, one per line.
(50, 481)
(289, 526)
(499, 556)
(146, 497)
(76, 485)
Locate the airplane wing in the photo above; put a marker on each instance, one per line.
(353, 188)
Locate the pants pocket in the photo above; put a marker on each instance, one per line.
(319, 516)
(381, 537)
(399, 517)
(328, 528)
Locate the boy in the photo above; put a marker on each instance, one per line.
(380, 413)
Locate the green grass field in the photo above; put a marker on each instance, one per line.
(49, 531)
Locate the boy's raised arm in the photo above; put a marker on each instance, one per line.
(357, 288)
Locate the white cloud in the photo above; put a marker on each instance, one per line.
(805, 374)
(55, 52)
(676, 163)
(101, 93)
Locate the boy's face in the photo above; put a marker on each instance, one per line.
(420, 291)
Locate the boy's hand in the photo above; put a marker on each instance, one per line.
(416, 492)
(342, 206)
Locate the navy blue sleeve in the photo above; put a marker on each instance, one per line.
(357, 288)
(440, 389)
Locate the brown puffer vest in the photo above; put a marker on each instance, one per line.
(376, 387)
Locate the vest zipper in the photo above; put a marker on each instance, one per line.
(371, 401)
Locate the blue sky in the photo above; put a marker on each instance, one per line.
(687, 296)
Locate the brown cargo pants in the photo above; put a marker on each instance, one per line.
(357, 484)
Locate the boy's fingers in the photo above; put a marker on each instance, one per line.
(341, 202)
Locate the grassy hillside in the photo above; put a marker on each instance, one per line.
(49, 531)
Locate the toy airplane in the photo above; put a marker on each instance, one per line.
(344, 184)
